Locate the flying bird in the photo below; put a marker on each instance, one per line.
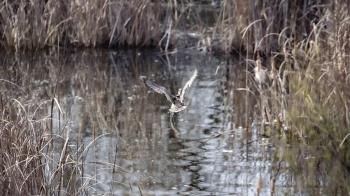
(177, 101)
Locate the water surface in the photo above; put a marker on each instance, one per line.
(121, 134)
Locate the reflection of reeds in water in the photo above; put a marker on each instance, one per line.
(238, 98)
(52, 134)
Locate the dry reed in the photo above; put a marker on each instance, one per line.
(37, 24)
(305, 46)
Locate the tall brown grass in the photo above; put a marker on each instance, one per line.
(35, 157)
(21, 145)
(38, 24)
(305, 47)
(265, 25)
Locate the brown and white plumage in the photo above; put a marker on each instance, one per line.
(188, 84)
(160, 89)
(177, 102)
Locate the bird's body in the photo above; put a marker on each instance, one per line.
(260, 72)
(177, 101)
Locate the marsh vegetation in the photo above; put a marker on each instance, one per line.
(268, 112)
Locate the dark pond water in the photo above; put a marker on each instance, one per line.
(120, 131)
(207, 153)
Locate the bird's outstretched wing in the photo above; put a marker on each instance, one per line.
(187, 85)
(159, 89)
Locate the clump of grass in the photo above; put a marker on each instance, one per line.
(262, 26)
(39, 158)
(305, 47)
(38, 24)
(309, 92)
(22, 151)
(320, 80)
